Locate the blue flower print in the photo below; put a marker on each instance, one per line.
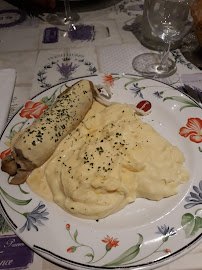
(195, 198)
(34, 218)
(166, 231)
(158, 94)
(137, 90)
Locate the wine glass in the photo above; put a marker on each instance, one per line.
(63, 18)
(169, 20)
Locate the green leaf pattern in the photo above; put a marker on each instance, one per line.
(186, 101)
(14, 200)
(128, 255)
(4, 227)
(191, 223)
(75, 235)
(126, 258)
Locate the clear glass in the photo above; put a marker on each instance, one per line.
(63, 18)
(169, 20)
(148, 39)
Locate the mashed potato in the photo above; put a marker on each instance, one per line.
(111, 159)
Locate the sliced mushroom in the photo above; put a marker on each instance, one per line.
(9, 165)
(20, 177)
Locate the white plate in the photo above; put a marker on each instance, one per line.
(145, 234)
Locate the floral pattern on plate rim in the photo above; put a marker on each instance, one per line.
(191, 223)
(126, 257)
(193, 130)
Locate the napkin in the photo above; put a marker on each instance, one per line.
(7, 82)
(193, 80)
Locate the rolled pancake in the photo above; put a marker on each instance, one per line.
(37, 142)
(36, 180)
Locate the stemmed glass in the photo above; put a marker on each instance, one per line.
(63, 18)
(169, 20)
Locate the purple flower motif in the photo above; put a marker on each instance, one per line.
(166, 232)
(195, 198)
(66, 70)
(137, 90)
(82, 33)
(34, 218)
(158, 94)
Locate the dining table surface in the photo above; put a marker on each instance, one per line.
(36, 52)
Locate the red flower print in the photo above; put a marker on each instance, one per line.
(71, 249)
(68, 227)
(167, 250)
(33, 109)
(110, 242)
(108, 79)
(5, 153)
(193, 129)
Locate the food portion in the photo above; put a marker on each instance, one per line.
(107, 162)
(34, 145)
(93, 160)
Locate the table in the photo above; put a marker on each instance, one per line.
(37, 50)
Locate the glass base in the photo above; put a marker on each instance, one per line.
(148, 65)
(60, 18)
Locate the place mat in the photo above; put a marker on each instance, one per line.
(194, 80)
(7, 82)
(21, 39)
(86, 33)
(124, 54)
(56, 66)
(23, 63)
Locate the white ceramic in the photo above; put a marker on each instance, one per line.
(145, 234)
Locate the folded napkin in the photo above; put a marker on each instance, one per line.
(7, 82)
